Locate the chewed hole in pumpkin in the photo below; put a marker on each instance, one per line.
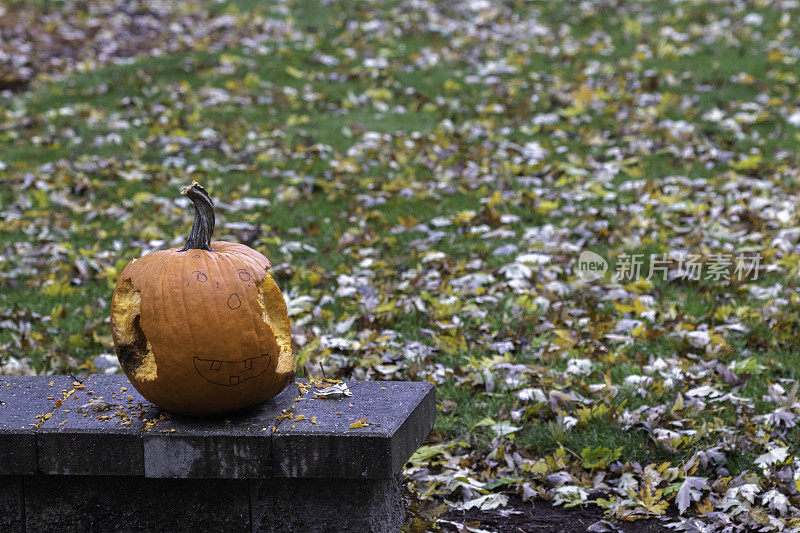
(134, 351)
(273, 313)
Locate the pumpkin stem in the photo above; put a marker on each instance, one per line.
(203, 225)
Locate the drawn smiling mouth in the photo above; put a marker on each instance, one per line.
(230, 373)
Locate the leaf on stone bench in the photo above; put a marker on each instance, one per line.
(334, 392)
(97, 404)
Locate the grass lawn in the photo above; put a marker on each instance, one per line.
(423, 177)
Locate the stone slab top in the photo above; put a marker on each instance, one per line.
(96, 429)
(25, 401)
(102, 426)
(370, 434)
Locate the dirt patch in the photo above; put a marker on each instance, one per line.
(541, 516)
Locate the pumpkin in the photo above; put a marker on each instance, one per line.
(202, 329)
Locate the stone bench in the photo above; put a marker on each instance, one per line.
(293, 463)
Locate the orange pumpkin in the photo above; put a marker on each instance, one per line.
(202, 329)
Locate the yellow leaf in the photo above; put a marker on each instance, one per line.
(41, 198)
(584, 95)
(293, 72)
(296, 120)
(747, 164)
(360, 423)
(642, 285)
(385, 307)
(632, 26)
(678, 403)
(716, 338)
(141, 197)
(450, 85)
(545, 206)
(775, 56)
(56, 313)
(623, 308)
(383, 94)
(465, 216)
(496, 198)
(314, 278)
(705, 506)
(252, 80)
(565, 338)
(537, 468)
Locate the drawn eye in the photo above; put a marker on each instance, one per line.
(234, 302)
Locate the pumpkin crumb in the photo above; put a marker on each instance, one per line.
(360, 423)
